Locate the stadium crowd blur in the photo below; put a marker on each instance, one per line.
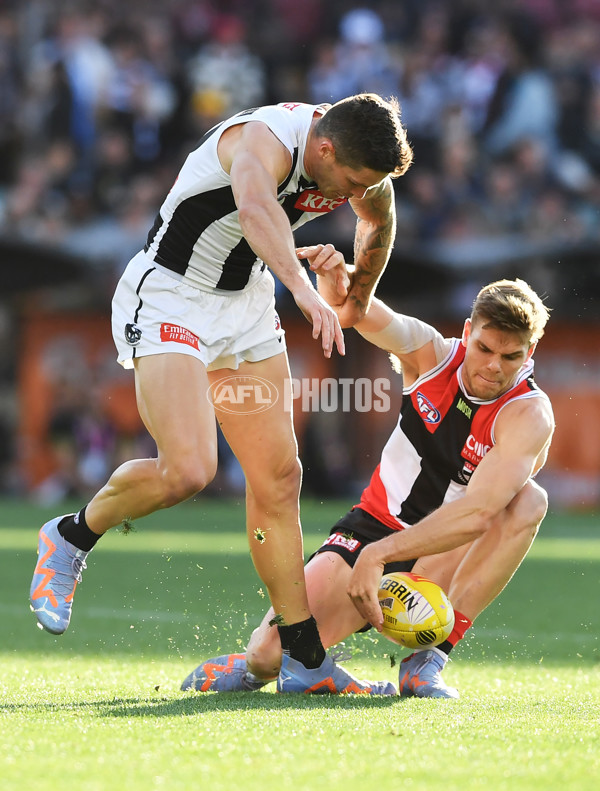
(101, 100)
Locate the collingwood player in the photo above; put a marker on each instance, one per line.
(196, 308)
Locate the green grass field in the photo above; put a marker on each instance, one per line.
(100, 707)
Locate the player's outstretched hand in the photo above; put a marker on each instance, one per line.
(364, 586)
(323, 318)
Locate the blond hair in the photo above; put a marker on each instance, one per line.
(512, 306)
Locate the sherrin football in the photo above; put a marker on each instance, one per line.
(416, 612)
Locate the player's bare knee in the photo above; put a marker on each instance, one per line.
(184, 481)
(537, 503)
(289, 479)
(529, 510)
(277, 486)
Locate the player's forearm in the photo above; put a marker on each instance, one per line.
(373, 242)
(377, 318)
(267, 231)
(453, 525)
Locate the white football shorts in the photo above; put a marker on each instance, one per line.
(154, 313)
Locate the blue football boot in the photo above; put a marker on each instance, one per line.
(227, 673)
(420, 676)
(329, 678)
(57, 572)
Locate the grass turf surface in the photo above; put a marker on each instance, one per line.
(100, 707)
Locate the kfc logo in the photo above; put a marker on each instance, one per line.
(314, 201)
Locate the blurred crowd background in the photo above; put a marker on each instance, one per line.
(101, 100)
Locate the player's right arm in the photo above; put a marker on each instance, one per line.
(523, 433)
(257, 162)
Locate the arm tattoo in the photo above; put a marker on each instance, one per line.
(373, 241)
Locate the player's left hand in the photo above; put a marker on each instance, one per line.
(364, 586)
(330, 265)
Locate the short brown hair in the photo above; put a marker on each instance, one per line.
(366, 132)
(513, 306)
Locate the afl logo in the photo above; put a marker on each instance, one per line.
(427, 410)
(243, 394)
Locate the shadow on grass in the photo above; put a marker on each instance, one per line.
(193, 704)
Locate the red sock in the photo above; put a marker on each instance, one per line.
(461, 624)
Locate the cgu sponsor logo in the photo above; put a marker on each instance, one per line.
(314, 201)
(474, 450)
(242, 395)
(426, 409)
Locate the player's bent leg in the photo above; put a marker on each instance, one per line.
(492, 559)
(473, 576)
(172, 400)
(265, 445)
(327, 576)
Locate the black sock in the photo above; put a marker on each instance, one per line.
(446, 647)
(303, 642)
(74, 529)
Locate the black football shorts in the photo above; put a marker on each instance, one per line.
(353, 532)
